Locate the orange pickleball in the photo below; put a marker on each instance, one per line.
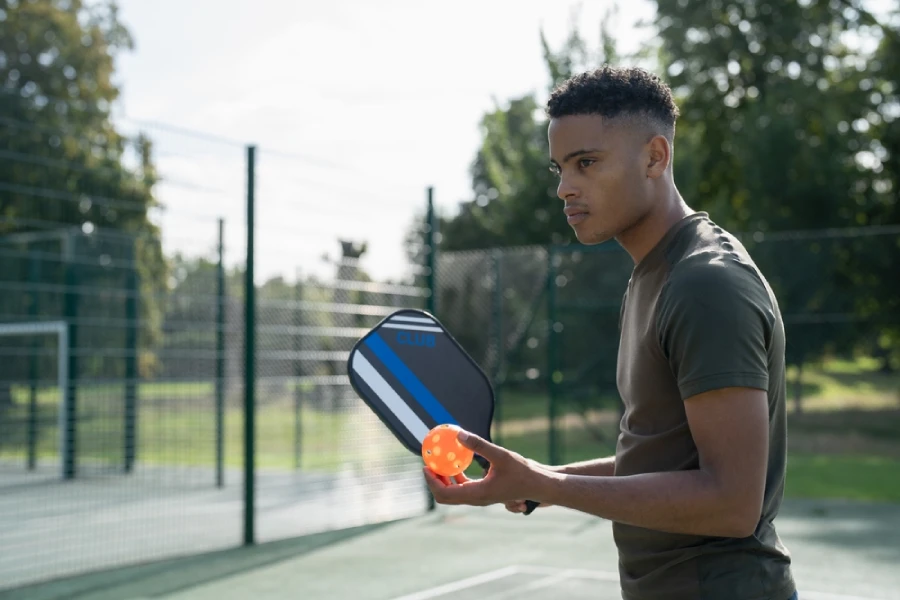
(443, 452)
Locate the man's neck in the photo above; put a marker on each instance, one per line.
(640, 239)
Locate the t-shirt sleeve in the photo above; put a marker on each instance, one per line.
(714, 322)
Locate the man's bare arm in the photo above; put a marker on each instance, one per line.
(721, 498)
(599, 467)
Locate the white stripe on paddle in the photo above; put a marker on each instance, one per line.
(413, 320)
(362, 367)
(412, 327)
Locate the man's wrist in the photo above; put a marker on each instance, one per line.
(548, 485)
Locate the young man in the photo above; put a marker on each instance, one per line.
(698, 474)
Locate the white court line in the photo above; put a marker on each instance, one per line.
(571, 573)
(554, 575)
(462, 584)
(546, 581)
(551, 576)
(805, 595)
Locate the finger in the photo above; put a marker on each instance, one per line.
(434, 481)
(515, 507)
(471, 492)
(461, 478)
(481, 446)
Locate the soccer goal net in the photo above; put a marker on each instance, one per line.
(60, 330)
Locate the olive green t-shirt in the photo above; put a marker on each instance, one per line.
(698, 315)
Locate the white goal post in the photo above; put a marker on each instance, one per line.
(61, 330)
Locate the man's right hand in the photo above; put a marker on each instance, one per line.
(603, 467)
(518, 506)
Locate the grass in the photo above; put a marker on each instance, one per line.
(809, 476)
(866, 478)
(837, 384)
(844, 444)
(177, 426)
(147, 391)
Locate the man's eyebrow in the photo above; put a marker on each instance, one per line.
(575, 154)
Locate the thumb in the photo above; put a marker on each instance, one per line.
(481, 446)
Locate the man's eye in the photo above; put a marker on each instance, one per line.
(586, 162)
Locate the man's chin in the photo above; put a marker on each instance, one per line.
(591, 238)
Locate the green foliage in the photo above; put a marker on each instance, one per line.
(68, 178)
(789, 122)
(771, 99)
(779, 132)
(515, 201)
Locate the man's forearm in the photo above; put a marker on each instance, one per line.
(600, 467)
(687, 502)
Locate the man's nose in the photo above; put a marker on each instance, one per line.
(565, 189)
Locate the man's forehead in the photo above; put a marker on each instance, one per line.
(575, 123)
(570, 133)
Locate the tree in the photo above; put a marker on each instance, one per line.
(880, 261)
(767, 93)
(777, 134)
(515, 200)
(65, 172)
(496, 303)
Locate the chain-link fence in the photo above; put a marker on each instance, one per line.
(544, 323)
(323, 459)
(124, 429)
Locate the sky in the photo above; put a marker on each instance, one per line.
(355, 107)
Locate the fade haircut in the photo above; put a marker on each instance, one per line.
(615, 93)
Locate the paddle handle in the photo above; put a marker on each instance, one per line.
(530, 505)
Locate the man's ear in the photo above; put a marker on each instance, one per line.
(659, 154)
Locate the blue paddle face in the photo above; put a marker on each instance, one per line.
(415, 376)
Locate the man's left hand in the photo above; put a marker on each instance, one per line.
(509, 478)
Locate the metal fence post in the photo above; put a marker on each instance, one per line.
(131, 349)
(431, 281)
(34, 276)
(431, 258)
(551, 356)
(220, 357)
(249, 360)
(69, 434)
(298, 373)
(499, 346)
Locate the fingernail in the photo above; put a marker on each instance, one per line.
(463, 436)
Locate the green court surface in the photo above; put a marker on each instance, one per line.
(841, 551)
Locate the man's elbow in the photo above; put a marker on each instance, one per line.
(739, 528)
(741, 519)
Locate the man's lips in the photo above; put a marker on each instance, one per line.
(575, 215)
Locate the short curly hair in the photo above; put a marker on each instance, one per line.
(614, 92)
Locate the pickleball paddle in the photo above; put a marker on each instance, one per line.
(411, 372)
